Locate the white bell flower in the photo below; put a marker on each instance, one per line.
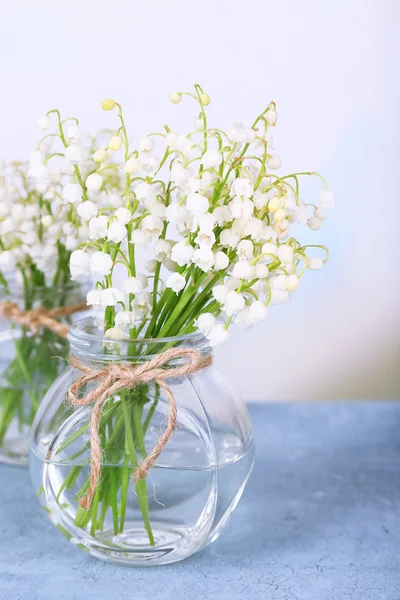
(274, 162)
(146, 191)
(261, 271)
(43, 122)
(113, 333)
(171, 139)
(197, 204)
(179, 174)
(326, 199)
(314, 263)
(87, 210)
(207, 223)
(212, 158)
(175, 213)
(229, 238)
(205, 240)
(116, 232)
(170, 265)
(175, 97)
(182, 253)
(220, 292)
(241, 208)
(157, 209)
(74, 154)
(100, 264)
(234, 303)
(142, 304)
(243, 320)
(260, 200)
(222, 215)
(132, 165)
(218, 335)
(242, 187)
(274, 204)
(115, 143)
(221, 260)
(319, 213)
(240, 131)
(123, 215)
(176, 282)
(292, 283)
(146, 144)
(282, 229)
(314, 223)
(148, 164)
(131, 285)
(280, 215)
(38, 171)
(205, 322)
(140, 238)
(100, 155)
(271, 117)
(79, 265)
(285, 254)
(299, 214)
(243, 270)
(111, 296)
(98, 227)
(125, 318)
(94, 182)
(278, 297)
(152, 225)
(204, 258)
(151, 266)
(258, 312)
(254, 228)
(73, 133)
(245, 249)
(162, 249)
(46, 221)
(93, 298)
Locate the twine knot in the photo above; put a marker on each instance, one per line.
(36, 318)
(117, 376)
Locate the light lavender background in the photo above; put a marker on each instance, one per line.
(332, 69)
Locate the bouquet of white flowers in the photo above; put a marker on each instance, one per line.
(38, 232)
(215, 223)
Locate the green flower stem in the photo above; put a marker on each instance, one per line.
(141, 485)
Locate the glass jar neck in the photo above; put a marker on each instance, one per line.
(88, 343)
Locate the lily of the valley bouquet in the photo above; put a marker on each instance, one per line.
(38, 232)
(187, 235)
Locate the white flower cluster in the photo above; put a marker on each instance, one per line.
(212, 212)
(37, 231)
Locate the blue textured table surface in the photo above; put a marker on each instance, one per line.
(319, 520)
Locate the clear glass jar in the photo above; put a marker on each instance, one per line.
(29, 363)
(192, 488)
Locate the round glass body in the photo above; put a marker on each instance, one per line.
(190, 491)
(29, 363)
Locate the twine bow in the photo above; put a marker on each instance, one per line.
(117, 376)
(40, 317)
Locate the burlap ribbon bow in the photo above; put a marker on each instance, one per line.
(40, 317)
(118, 376)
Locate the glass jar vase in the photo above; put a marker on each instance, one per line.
(29, 363)
(190, 491)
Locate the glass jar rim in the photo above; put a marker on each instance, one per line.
(79, 333)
